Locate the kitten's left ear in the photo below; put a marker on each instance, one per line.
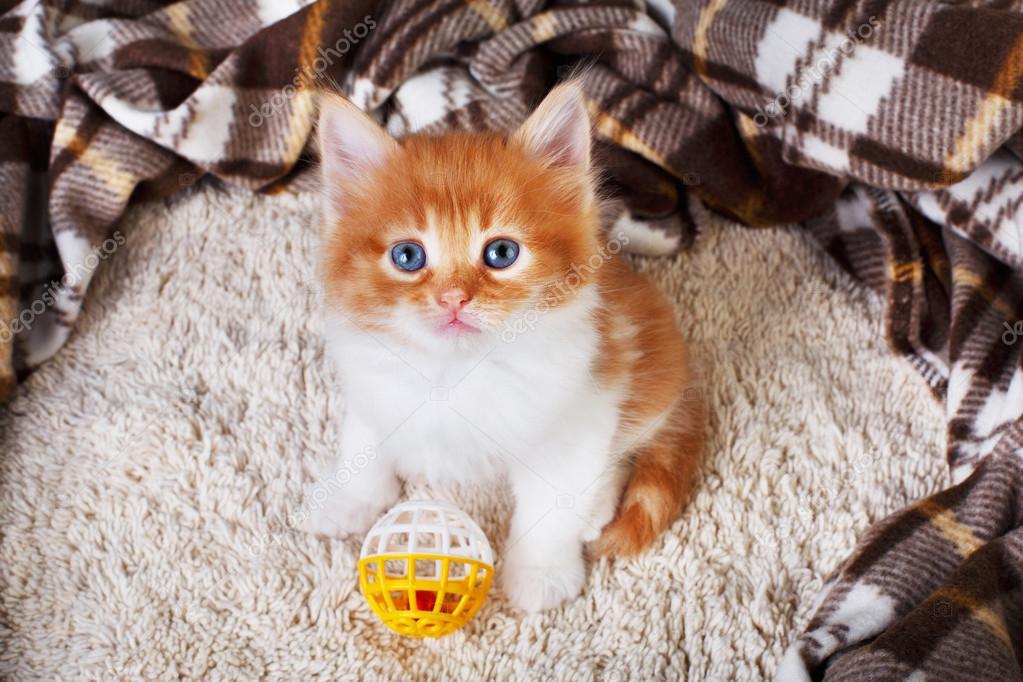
(559, 130)
(351, 146)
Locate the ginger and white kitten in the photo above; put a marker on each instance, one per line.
(483, 327)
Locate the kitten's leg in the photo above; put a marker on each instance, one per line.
(355, 489)
(605, 500)
(562, 499)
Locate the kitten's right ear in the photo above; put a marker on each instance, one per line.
(351, 145)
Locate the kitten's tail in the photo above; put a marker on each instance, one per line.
(663, 475)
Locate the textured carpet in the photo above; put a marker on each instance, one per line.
(148, 471)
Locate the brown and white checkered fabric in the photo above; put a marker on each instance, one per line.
(891, 130)
(113, 100)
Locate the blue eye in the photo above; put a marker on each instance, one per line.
(500, 253)
(408, 256)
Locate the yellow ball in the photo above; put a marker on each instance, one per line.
(425, 568)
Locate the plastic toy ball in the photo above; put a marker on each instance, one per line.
(425, 568)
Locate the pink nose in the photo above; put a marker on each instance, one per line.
(453, 299)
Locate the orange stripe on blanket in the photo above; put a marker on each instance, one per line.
(944, 519)
(545, 27)
(905, 272)
(989, 116)
(963, 275)
(613, 129)
(701, 43)
(490, 14)
(977, 609)
(180, 24)
(119, 181)
(300, 123)
(312, 35)
(6, 378)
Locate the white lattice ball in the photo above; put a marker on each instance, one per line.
(425, 568)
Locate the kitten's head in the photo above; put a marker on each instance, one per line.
(446, 240)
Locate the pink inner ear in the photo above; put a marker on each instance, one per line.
(569, 145)
(351, 143)
(559, 130)
(349, 149)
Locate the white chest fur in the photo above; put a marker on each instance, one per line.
(467, 415)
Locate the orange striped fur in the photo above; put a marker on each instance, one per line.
(662, 416)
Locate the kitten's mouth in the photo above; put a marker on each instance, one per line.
(458, 326)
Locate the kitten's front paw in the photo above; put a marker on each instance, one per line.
(538, 585)
(340, 515)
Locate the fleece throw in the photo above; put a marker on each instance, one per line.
(891, 130)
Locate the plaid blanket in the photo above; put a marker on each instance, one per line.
(891, 130)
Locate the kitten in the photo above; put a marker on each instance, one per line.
(483, 327)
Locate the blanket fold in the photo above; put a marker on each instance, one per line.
(891, 131)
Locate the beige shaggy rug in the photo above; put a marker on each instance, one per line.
(147, 473)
